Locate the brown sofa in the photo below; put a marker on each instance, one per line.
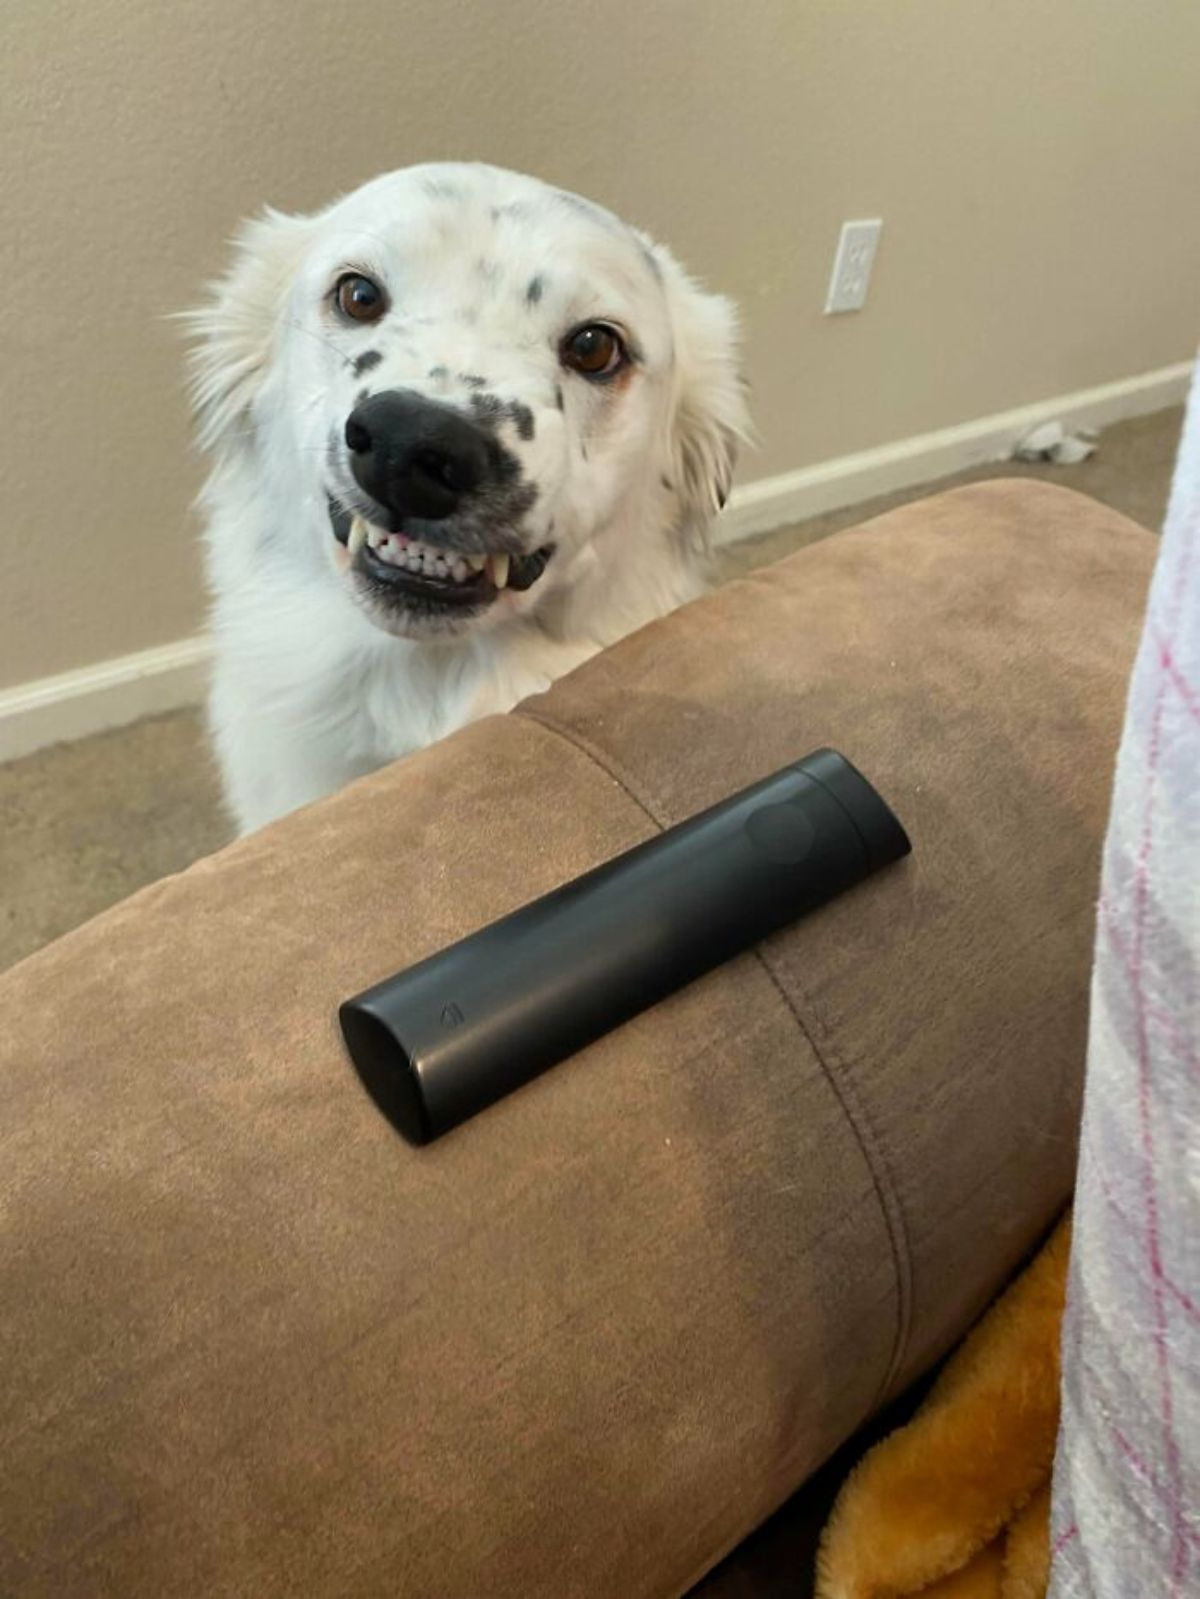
(254, 1344)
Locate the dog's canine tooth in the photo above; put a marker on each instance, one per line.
(500, 570)
(357, 536)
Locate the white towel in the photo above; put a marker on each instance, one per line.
(1126, 1517)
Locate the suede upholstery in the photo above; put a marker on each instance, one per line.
(254, 1344)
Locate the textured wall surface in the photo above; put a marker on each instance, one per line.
(1036, 168)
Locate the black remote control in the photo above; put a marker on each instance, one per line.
(453, 1034)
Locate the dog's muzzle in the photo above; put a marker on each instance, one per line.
(437, 480)
(437, 483)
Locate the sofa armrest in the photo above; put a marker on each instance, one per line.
(255, 1344)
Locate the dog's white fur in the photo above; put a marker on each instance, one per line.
(313, 685)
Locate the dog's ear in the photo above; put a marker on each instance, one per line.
(234, 333)
(710, 418)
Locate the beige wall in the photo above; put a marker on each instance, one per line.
(1037, 166)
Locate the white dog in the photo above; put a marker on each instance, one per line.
(468, 429)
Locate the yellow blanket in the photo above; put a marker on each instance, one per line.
(956, 1504)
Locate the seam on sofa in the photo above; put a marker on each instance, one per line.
(828, 1057)
(829, 1054)
(605, 762)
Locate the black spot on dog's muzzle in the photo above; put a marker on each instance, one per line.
(525, 570)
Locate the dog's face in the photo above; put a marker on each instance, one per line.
(475, 378)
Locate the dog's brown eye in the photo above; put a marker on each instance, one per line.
(594, 349)
(359, 298)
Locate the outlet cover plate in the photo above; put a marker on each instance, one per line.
(852, 265)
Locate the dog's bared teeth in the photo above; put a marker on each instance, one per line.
(411, 555)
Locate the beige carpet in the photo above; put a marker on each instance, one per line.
(83, 825)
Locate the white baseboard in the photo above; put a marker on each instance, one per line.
(109, 694)
(792, 496)
(113, 693)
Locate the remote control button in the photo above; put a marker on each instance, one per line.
(781, 832)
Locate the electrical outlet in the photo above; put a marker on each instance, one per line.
(852, 266)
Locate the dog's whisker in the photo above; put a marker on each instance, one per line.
(290, 322)
(251, 429)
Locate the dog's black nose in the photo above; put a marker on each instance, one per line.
(414, 456)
